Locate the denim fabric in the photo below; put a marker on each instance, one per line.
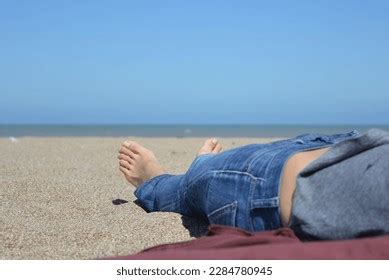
(238, 187)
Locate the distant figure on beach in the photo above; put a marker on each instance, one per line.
(321, 186)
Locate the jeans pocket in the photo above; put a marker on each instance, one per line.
(264, 214)
(225, 215)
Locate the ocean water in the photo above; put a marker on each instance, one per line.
(13, 131)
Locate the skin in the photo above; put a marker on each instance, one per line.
(294, 165)
(139, 164)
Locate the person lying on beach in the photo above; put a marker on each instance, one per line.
(321, 186)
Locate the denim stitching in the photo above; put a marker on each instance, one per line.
(226, 208)
(254, 159)
(238, 172)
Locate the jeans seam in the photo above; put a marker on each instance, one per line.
(237, 172)
(223, 209)
(183, 196)
(252, 160)
(250, 219)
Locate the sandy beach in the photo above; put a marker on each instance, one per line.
(57, 197)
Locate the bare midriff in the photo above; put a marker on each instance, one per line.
(294, 165)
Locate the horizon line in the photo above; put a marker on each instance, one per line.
(196, 124)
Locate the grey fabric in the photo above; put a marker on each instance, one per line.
(345, 192)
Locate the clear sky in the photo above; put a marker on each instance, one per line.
(194, 62)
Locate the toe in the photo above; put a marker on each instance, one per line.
(128, 175)
(125, 151)
(210, 143)
(208, 146)
(124, 170)
(217, 149)
(134, 146)
(125, 164)
(126, 158)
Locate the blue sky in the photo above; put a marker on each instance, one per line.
(195, 62)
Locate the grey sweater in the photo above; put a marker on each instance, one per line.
(345, 192)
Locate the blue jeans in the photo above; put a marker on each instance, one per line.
(238, 187)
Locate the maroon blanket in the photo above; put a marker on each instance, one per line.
(232, 243)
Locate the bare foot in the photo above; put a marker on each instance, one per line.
(211, 145)
(137, 163)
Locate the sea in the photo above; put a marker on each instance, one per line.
(180, 131)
